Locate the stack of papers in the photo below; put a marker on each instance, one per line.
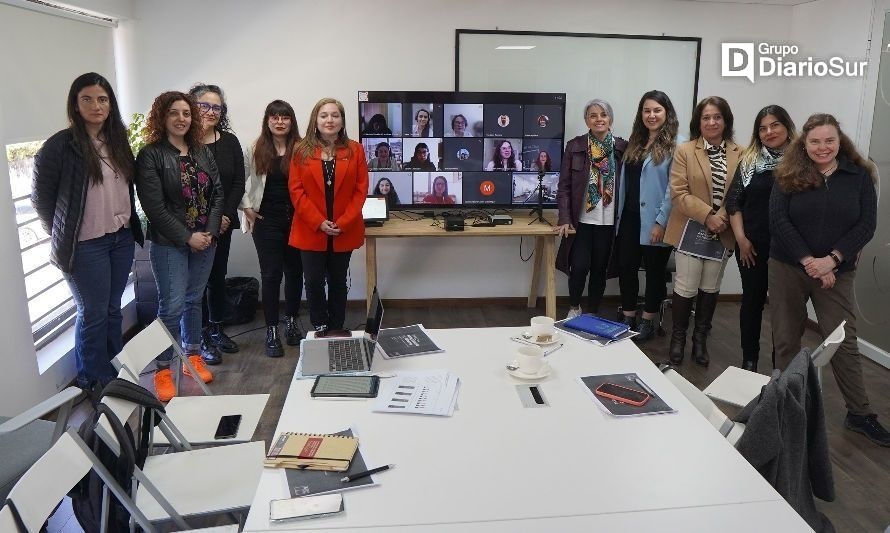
(432, 392)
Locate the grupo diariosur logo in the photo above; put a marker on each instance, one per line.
(783, 60)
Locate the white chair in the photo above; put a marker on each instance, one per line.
(708, 409)
(46, 483)
(25, 437)
(195, 416)
(217, 480)
(738, 387)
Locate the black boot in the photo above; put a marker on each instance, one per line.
(681, 308)
(704, 312)
(629, 321)
(292, 332)
(749, 364)
(209, 352)
(220, 339)
(645, 331)
(273, 343)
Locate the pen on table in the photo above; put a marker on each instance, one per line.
(645, 388)
(366, 473)
(551, 350)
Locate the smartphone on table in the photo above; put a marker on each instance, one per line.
(622, 394)
(227, 427)
(305, 507)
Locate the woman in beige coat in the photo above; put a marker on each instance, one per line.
(701, 174)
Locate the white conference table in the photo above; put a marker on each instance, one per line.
(498, 466)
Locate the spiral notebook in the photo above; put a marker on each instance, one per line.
(311, 451)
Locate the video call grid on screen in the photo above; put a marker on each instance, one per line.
(473, 149)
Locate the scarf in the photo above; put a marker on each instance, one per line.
(767, 159)
(601, 185)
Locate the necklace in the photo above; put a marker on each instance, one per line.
(104, 159)
(828, 171)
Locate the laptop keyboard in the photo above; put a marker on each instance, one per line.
(346, 355)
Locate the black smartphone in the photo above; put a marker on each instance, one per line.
(345, 387)
(228, 427)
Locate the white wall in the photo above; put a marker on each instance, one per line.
(302, 51)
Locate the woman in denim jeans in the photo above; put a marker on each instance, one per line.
(180, 191)
(83, 195)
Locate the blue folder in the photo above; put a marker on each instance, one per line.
(597, 326)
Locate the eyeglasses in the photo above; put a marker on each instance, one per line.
(279, 118)
(207, 108)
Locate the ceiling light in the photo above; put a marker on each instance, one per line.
(515, 47)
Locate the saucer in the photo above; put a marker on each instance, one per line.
(541, 374)
(553, 339)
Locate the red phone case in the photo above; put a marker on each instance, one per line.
(628, 401)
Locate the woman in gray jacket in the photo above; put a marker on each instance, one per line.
(178, 185)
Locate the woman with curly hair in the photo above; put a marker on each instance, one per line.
(180, 190)
(822, 212)
(328, 185)
(504, 158)
(386, 189)
(217, 135)
(83, 195)
(644, 208)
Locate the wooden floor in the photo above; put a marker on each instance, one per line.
(861, 469)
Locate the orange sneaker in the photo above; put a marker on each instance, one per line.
(203, 372)
(164, 387)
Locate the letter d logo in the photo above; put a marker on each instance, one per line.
(737, 59)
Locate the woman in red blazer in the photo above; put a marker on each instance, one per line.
(328, 185)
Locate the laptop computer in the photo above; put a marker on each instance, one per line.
(341, 355)
(375, 211)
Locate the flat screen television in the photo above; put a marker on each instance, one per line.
(462, 149)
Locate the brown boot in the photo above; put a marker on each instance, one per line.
(704, 312)
(681, 308)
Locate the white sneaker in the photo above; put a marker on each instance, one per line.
(573, 312)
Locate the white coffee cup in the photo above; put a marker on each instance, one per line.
(542, 328)
(530, 359)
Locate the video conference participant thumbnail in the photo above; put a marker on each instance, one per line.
(463, 120)
(503, 154)
(463, 153)
(383, 153)
(440, 188)
(541, 154)
(380, 120)
(487, 187)
(503, 120)
(425, 120)
(421, 154)
(543, 121)
(525, 188)
(396, 187)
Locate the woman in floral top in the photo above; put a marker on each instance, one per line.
(179, 188)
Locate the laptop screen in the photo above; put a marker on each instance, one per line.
(374, 209)
(375, 316)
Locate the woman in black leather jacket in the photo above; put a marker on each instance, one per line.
(180, 191)
(83, 194)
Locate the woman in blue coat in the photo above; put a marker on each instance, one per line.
(644, 209)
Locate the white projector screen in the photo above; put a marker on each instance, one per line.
(616, 68)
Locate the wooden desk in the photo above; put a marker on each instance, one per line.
(544, 254)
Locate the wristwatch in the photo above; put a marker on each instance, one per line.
(837, 260)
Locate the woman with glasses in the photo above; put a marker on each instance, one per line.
(421, 159)
(504, 157)
(328, 185)
(268, 216)
(181, 193)
(217, 136)
(83, 195)
(702, 172)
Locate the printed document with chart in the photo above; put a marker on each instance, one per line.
(432, 392)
